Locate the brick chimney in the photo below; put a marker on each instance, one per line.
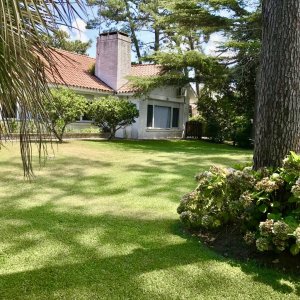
(113, 58)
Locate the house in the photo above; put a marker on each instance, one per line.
(163, 111)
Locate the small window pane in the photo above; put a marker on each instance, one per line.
(162, 117)
(175, 121)
(150, 116)
(86, 117)
(190, 111)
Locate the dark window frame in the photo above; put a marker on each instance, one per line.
(151, 116)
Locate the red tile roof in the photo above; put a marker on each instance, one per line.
(145, 70)
(140, 71)
(72, 69)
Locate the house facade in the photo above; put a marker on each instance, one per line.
(163, 111)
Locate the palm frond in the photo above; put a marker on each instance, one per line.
(24, 61)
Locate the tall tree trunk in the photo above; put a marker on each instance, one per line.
(278, 101)
(57, 135)
(136, 45)
(197, 73)
(112, 133)
(133, 32)
(156, 38)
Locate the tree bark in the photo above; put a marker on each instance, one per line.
(132, 26)
(112, 133)
(156, 38)
(197, 73)
(277, 128)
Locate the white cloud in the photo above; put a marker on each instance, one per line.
(78, 32)
(64, 28)
(216, 39)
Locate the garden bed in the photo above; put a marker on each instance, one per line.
(228, 241)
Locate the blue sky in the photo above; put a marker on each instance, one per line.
(79, 31)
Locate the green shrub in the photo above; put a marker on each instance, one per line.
(225, 118)
(217, 117)
(63, 108)
(241, 132)
(264, 203)
(198, 118)
(112, 113)
(214, 130)
(217, 199)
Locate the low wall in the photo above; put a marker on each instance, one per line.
(68, 135)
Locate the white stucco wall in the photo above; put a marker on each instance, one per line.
(164, 96)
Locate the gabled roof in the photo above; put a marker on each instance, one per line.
(73, 70)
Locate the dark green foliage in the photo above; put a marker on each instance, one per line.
(176, 68)
(226, 118)
(217, 119)
(241, 132)
(214, 131)
(264, 203)
(113, 113)
(228, 105)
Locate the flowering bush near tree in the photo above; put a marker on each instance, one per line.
(265, 204)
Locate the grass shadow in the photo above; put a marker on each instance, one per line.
(100, 222)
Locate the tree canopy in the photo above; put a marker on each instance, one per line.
(61, 39)
(63, 108)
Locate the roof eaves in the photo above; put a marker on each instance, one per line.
(82, 87)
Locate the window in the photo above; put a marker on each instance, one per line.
(175, 120)
(162, 116)
(85, 117)
(150, 116)
(190, 110)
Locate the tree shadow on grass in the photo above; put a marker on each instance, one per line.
(109, 255)
(87, 267)
(167, 178)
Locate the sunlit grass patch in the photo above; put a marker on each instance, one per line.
(99, 222)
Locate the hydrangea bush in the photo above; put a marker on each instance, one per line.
(264, 203)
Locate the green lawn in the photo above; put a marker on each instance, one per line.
(100, 222)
